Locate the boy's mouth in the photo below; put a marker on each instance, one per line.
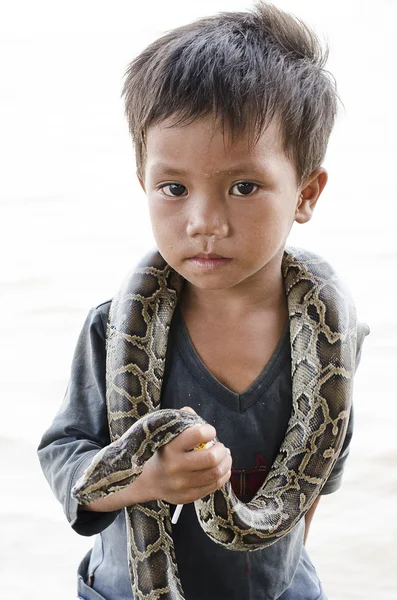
(209, 261)
(208, 255)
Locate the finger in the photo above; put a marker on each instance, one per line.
(210, 476)
(199, 492)
(206, 458)
(193, 436)
(189, 409)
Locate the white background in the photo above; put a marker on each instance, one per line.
(73, 220)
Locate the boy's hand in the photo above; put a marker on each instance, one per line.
(175, 473)
(178, 475)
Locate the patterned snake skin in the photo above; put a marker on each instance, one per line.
(323, 347)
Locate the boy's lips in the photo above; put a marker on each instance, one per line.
(209, 255)
(208, 262)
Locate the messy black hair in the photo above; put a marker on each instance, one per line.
(244, 68)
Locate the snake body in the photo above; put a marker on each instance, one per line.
(323, 347)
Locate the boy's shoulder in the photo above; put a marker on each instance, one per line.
(98, 317)
(362, 331)
(104, 307)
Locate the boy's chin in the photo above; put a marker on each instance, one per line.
(210, 282)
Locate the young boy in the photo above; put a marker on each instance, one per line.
(230, 117)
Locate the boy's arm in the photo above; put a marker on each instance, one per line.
(80, 430)
(309, 517)
(175, 474)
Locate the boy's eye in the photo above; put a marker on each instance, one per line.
(173, 190)
(244, 188)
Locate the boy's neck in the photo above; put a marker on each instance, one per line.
(260, 294)
(235, 331)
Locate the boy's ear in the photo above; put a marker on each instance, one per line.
(310, 191)
(142, 183)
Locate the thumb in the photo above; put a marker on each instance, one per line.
(189, 410)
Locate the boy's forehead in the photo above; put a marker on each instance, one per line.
(165, 169)
(172, 149)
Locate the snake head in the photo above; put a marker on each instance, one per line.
(108, 472)
(121, 462)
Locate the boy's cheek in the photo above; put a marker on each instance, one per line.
(166, 217)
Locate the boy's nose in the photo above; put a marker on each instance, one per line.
(208, 218)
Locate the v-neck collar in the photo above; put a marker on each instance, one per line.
(233, 400)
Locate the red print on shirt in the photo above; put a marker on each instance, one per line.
(246, 482)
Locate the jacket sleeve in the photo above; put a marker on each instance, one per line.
(79, 429)
(335, 479)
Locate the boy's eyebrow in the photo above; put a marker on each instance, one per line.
(167, 170)
(173, 172)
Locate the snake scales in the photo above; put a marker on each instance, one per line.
(323, 345)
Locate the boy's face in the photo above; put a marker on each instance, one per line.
(221, 211)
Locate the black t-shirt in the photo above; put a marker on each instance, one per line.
(251, 424)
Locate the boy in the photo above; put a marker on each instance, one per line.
(230, 117)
